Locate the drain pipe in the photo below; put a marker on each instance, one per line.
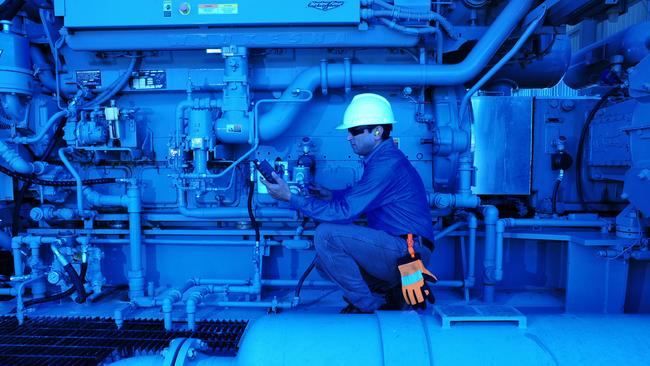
(133, 203)
(172, 297)
(491, 215)
(502, 224)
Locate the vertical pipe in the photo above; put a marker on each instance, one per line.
(16, 243)
(77, 178)
(491, 215)
(472, 224)
(136, 274)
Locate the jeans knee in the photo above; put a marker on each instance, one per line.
(323, 236)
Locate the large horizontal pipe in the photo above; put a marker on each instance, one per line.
(588, 64)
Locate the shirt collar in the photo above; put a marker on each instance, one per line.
(386, 144)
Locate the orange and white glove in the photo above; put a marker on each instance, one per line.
(414, 281)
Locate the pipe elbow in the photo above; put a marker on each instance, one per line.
(491, 214)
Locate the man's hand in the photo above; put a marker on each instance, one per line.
(319, 192)
(280, 191)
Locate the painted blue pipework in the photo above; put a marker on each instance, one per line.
(176, 103)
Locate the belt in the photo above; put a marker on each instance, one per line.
(426, 242)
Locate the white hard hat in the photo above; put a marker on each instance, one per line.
(367, 109)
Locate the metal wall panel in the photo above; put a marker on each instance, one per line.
(503, 144)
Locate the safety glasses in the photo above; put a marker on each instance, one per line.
(358, 130)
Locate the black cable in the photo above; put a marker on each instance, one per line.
(251, 215)
(55, 183)
(556, 188)
(60, 295)
(581, 142)
(304, 277)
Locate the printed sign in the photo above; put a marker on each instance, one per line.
(218, 9)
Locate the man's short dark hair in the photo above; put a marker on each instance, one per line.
(387, 130)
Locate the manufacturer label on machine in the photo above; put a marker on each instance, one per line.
(325, 5)
(167, 8)
(234, 128)
(218, 9)
(149, 79)
(89, 78)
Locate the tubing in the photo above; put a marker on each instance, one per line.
(472, 224)
(44, 131)
(172, 297)
(489, 262)
(17, 163)
(116, 86)
(71, 169)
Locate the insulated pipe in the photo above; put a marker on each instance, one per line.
(491, 215)
(44, 131)
(17, 163)
(394, 338)
(502, 224)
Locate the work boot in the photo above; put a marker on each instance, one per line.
(351, 309)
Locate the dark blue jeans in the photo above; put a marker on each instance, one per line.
(361, 261)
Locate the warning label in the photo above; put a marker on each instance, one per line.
(218, 9)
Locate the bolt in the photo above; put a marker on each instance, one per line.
(644, 174)
(191, 354)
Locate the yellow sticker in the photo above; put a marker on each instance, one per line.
(218, 9)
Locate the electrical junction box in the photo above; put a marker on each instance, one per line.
(168, 13)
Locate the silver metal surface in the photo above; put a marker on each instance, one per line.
(502, 144)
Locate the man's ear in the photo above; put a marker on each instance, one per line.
(378, 131)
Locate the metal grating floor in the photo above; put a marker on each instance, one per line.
(90, 341)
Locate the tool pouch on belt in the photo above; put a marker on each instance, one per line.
(414, 280)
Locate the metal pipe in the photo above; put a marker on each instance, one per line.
(491, 215)
(587, 65)
(293, 283)
(77, 178)
(275, 122)
(19, 297)
(502, 224)
(44, 131)
(226, 243)
(231, 212)
(472, 224)
(520, 42)
(17, 163)
(449, 229)
(173, 296)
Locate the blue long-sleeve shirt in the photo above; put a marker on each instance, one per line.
(390, 192)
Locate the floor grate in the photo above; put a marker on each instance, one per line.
(90, 341)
